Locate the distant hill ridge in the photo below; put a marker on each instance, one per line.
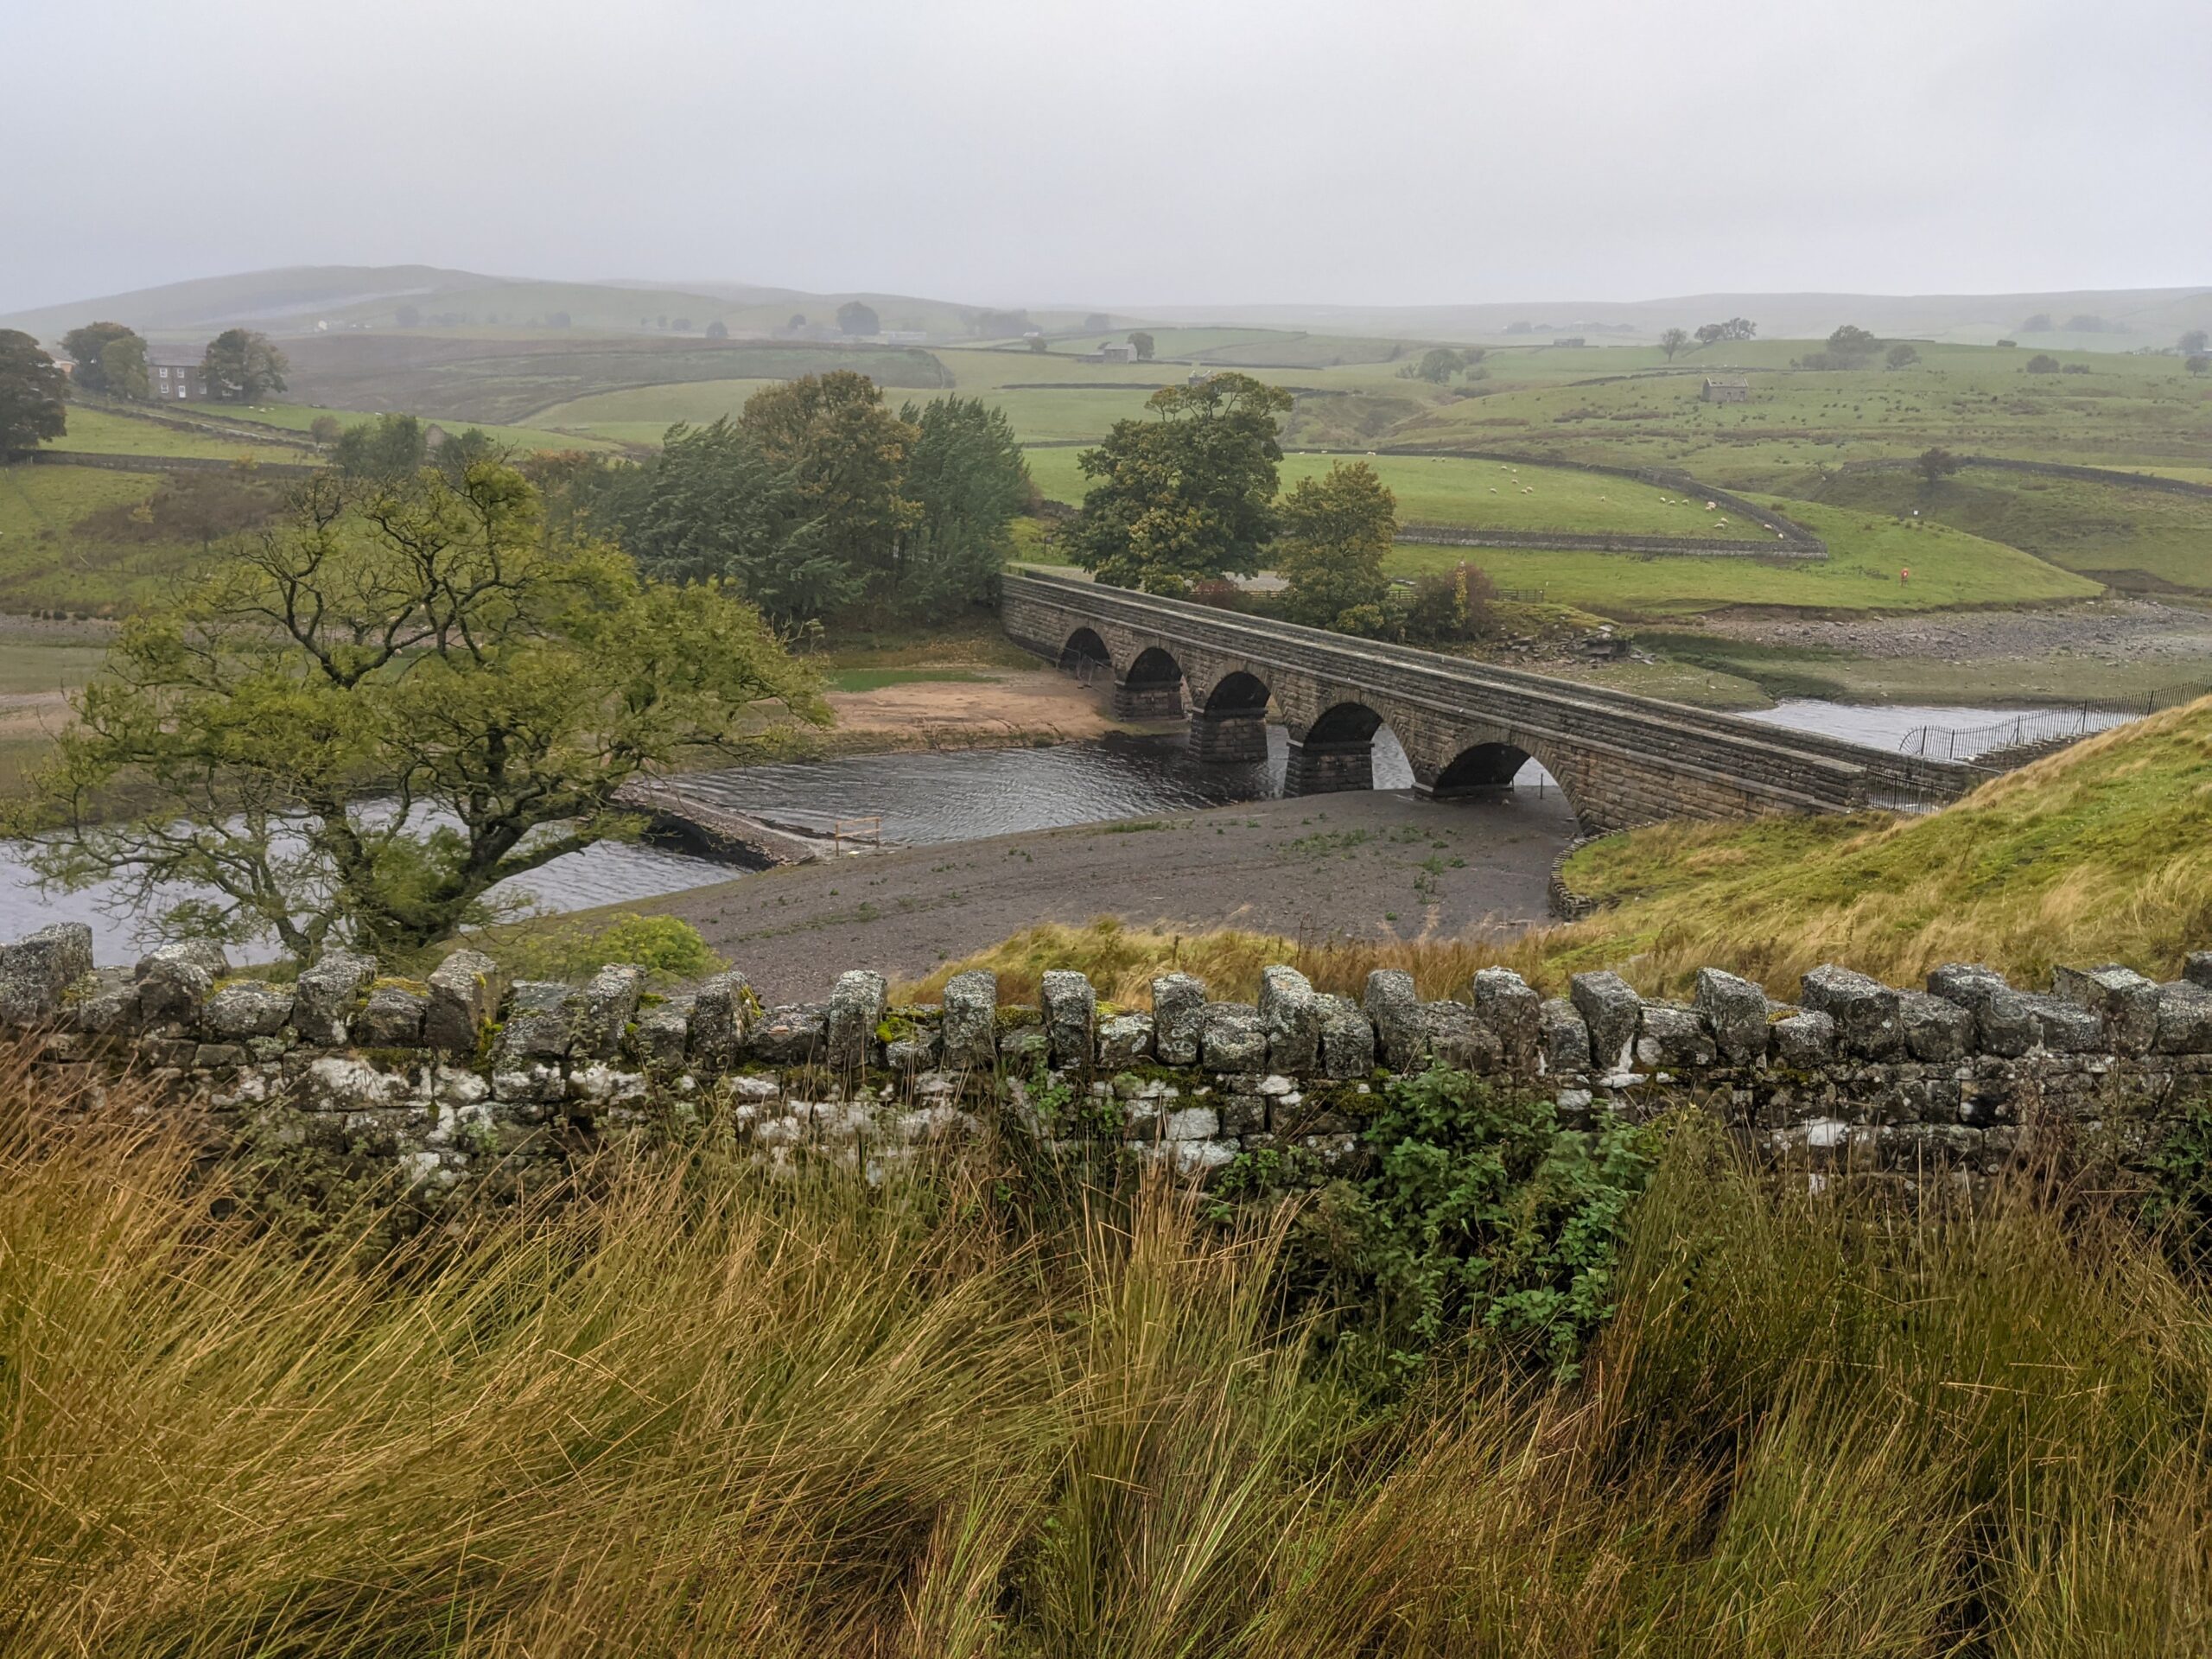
(293, 300)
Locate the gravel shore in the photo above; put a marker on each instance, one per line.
(1355, 865)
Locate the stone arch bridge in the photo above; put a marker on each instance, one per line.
(1467, 728)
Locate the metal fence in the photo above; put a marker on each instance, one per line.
(2044, 727)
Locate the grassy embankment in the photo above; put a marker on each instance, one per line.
(2137, 540)
(2098, 854)
(704, 1413)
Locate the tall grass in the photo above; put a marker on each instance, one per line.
(702, 1412)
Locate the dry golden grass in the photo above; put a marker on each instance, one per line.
(2103, 853)
(705, 1414)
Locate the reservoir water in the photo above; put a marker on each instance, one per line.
(928, 798)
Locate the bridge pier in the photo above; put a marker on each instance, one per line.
(1329, 768)
(1148, 700)
(1229, 737)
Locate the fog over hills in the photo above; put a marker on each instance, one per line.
(300, 300)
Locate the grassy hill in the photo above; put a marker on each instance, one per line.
(2144, 316)
(2120, 411)
(295, 300)
(513, 380)
(2098, 854)
(2138, 540)
(1861, 574)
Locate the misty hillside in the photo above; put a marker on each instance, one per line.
(2131, 317)
(295, 301)
(355, 298)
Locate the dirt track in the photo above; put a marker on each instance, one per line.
(1368, 866)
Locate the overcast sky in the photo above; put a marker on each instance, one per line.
(1153, 151)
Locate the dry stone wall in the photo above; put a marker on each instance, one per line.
(463, 1076)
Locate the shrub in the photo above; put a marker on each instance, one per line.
(1219, 592)
(668, 949)
(2042, 363)
(1486, 1220)
(1451, 604)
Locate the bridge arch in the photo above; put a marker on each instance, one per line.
(1482, 766)
(1084, 655)
(1336, 752)
(1150, 688)
(1236, 692)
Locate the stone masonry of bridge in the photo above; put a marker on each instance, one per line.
(1466, 727)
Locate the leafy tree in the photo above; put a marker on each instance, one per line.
(718, 329)
(87, 345)
(1672, 341)
(2042, 363)
(1438, 364)
(846, 454)
(2198, 363)
(1334, 534)
(32, 389)
(1708, 333)
(241, 367)
(1144, 343)
(1039, 344)
(1096, 323)
(122, 367)
(326, 428)
(855, 318)
(1935, 465)
(2193, 342)
(796, 322)
(2039, 324)
(1902, 355)
(1734, 328)
(359, 724)
(390, 447)
(713, 506)
(1188, 495)
(967, 481)
(1851, 345)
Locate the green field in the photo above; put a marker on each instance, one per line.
(95, 431)
(2137, 540)
(1434, 489)
(298, 418)
(1865, 553)
(642, 414)
(2126, 411)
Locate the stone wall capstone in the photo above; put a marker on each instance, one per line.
(447, 1081)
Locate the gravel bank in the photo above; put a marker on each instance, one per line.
(1365, 865)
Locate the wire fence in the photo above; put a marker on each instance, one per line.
(2039, 729)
